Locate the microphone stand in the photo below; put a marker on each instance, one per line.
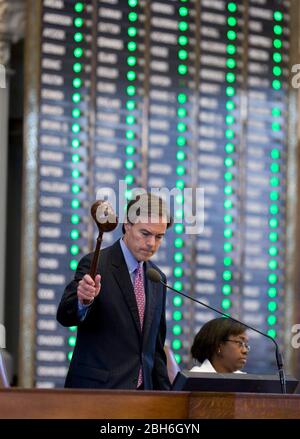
(279, 359)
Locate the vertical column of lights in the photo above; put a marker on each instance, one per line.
(75, 144)
(178, 272)
(275, 156)
(131, 91)
(229, 161)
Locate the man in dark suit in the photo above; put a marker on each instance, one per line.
(121, 314)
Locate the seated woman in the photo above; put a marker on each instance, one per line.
(220, 346)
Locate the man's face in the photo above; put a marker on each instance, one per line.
(144, 238)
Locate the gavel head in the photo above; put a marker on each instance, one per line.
(104, 216)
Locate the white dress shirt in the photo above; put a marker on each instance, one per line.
(206, 366)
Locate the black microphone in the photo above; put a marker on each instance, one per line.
(155, 276)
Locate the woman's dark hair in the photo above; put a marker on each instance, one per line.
(211, 335)
(153, 204)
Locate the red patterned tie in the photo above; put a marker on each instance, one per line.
(139, 292)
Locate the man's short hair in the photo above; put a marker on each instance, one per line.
(147, 205)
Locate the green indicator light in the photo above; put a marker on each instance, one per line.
(73, 265)
(183, 11)
(273, 223)
(273, 251)
(132, 16)
(74, 249)
(74, 234)
(129, 164)
(228, 190)
(228, 162)
(178, 271)
(272, 278)
(77, 82)
(278, 16)
(179, 199)
(76, 98)
(229, 119)
(178, 285)
(226, 303)
(227, 219)
(75, 203)
(272, 306)
(182, 98)
(180, 170)
(274, 181)
(182, 69)
(76, 113)
(132, 31)
(275, 154)
(72, 341)
(130, 135)
(178, 228)
(229, 134)
(230, 77)
(230, 105)
(129, 179)
(75, 188)
(231, 63)
(75, 143)
(230, 91)
(182, 54)
(183, 26)
(130, 150)
(231, 49)
(274, 196)
(276, 84)
(276, 111)
(75, 219)
(229, 148)
(130, 120)
(131, 61)
(228, 204)
(78, 52)
(180, 155)
(76, 128)
(177, 330)
(180, 184)
(70, 355)
(177, 301)
(130, 105)
(177, 315)
(272, 333)
(277, 57)
(178, 243)
(78, 37)
(232, 7)
(277, 70)
(75, 173)
(78, 22)
(131, 46)
(272, 320)
(132, 3)
(273, 264)
(272, 292)
(73, 328)
(178, 257)
(228, 247)
(78, 7)
(228, 176)
(226, 289)
(227, 275)
(275, 167)
(273, 237)
(131, 75)
(183, 40)
(131, 90)
(231, 21)
(181, 112)
(276, 126)
(77, 67)
(128, 195)
(277, 43)
(179, 214)
(176, 344)
(277, 29)
(181, 141)
(231, 35)
(273, 209)
(228, 233)
(177, 358)
(227, 261)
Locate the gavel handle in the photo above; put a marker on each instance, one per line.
(95, 260)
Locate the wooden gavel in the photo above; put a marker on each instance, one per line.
(106, 220)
